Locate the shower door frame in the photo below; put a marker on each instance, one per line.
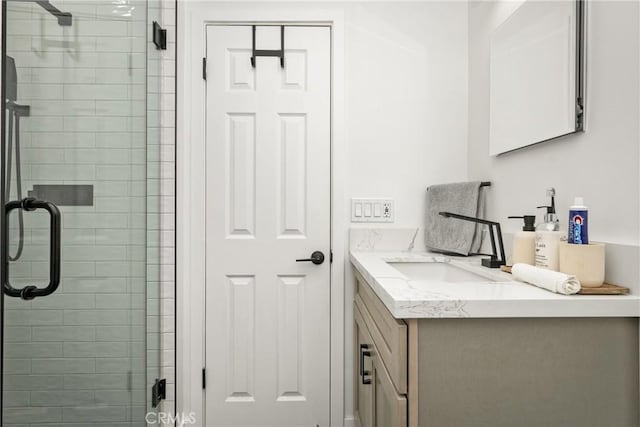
(3, 236)
(3, 200)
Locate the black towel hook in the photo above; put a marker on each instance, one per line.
(278, 53)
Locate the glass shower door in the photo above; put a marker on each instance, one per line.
(75, 208)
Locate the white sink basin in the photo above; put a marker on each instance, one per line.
(437, 271)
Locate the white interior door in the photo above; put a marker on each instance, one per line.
(267, 204)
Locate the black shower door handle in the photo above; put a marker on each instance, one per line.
(30, 292)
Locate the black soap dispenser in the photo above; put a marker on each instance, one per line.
(524, 242)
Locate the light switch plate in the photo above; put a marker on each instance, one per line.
(372, 210)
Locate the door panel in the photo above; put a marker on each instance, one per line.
(267, 205)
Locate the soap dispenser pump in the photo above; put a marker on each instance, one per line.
(551, 222)
(548, 237)
(524, 242)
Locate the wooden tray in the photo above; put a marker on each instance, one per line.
(605, 289)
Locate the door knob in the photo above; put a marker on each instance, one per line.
(317, 258)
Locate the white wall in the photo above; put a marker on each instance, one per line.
(406, 100)
(406, 113)
(600, 164)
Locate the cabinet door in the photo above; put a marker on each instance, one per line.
(363, 368)
(389, 334)
(390, 408)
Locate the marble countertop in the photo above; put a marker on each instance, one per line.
(499, 296)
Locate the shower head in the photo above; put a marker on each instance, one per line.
(12, 89)
(65, 19)
(11, 79)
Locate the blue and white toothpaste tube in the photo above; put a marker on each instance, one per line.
(578, 223)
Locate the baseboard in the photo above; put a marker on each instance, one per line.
(349, 422)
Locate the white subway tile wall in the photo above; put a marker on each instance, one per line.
(87, 355)
(161, 199)
(166, 202)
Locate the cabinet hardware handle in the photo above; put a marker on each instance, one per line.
(364, 352)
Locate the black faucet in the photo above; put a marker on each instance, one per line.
(494, 261)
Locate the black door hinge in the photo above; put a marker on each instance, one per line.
(331, 257)
(158, 392)
(204, 68)
(204, 378)
(159, 36)
(579, 114)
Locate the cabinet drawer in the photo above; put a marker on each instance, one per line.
(390, 408)
(364, 404)
(378, 404)
(389, 334)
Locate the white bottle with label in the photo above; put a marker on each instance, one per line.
(524, 242)
(548, 236)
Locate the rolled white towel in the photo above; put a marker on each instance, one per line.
(551, 280)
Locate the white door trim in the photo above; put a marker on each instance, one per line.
(190, 177)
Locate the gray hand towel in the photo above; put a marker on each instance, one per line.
(449, 234)
(482, 213)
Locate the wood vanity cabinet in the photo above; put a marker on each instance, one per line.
(380, 362)
(378, 400)
(492, 371)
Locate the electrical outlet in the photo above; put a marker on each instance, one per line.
(387, 209)
(372, 210)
